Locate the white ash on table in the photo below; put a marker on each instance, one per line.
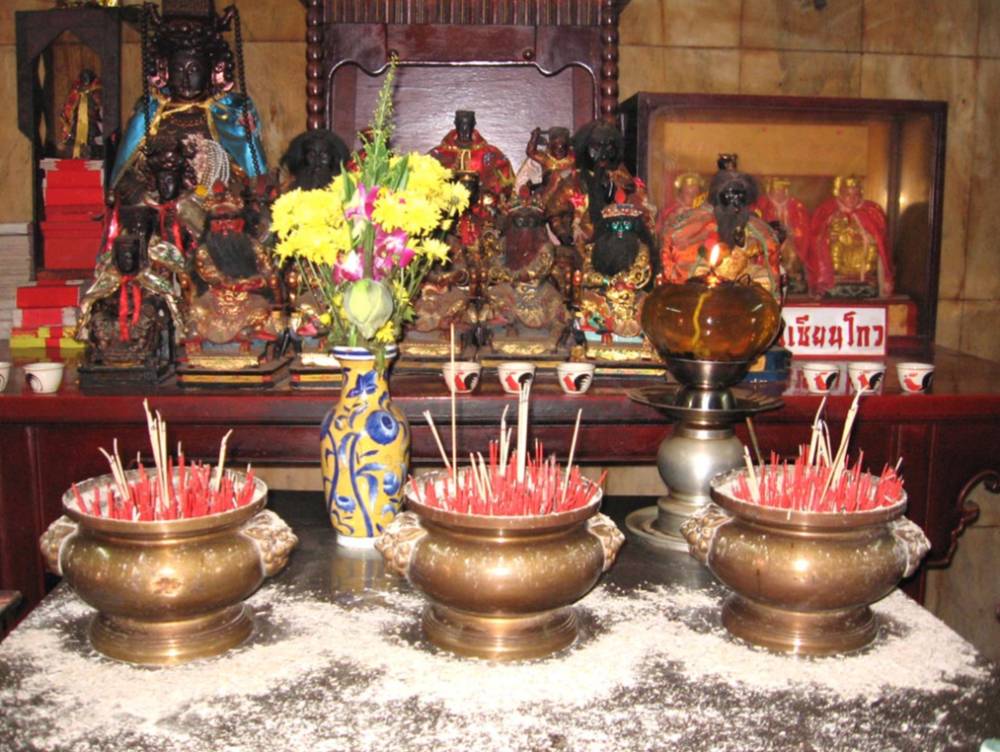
(652, 670)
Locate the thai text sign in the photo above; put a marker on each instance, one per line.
(835, 330)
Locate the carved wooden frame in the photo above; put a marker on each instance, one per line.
(563, 33)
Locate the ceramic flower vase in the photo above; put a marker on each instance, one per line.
(365, 451)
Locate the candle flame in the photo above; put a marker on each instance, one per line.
(713, 257)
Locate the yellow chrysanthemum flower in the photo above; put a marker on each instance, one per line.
(433, 249)
(389, 210)
(420, 216)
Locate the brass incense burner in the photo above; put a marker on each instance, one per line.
(803, 581)
(500, 587)
(169, 591)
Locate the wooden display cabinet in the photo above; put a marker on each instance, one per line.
(897, 146)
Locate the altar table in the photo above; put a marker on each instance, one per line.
(338, 662)
(949, 439)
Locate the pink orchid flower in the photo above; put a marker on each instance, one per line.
(393, 245)
(361, 204)
(349, 268)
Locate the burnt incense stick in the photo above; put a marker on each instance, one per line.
(437, 438)
(569, 462)
(753, 441)
(451, 388)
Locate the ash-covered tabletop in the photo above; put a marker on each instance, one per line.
(337, 662)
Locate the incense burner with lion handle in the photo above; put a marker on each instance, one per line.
(167, 591)
(500, 587)
(802, 581)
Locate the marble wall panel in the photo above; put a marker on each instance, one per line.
(797, 25)
(949, 324)
(966, 594)
(937, 78)
(989, 28)
(681, 23)
(676, 69)
(982, 275)
(276, 79)
(980, 324)
(15, 149)
(812, 74)
(921, 27)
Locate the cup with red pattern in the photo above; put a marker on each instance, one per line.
(462, 376)
(915, 378)
(515, 375)
(866, 376)
(821, 377)
(575, 378)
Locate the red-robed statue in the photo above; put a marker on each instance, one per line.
(778, 206)
(851, 253)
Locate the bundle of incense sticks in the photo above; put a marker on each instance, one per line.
(175, 491)
(510, 485)
(817, 481)
(493, 489)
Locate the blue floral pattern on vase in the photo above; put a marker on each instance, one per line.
(365, 451)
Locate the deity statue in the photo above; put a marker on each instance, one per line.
(850, 251)
(543, 168)
(723, 237)
(313, 159)
(80, 134)
(189, 71)
(688, 186)
(573, 207)
(448, 297)
(233, 294)
(522, 304)
(169, 177)
(618, 268)
(466, 153)
(778, 205)
(129, 314)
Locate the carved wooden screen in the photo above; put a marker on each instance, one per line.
(517, 63)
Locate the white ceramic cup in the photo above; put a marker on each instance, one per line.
(575, 378)
(44, 378)
(821, 377)
(4, 374)
(915, 378)
(515, 374)
(866, 376)
(463, 378)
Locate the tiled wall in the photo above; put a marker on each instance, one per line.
(922, 49)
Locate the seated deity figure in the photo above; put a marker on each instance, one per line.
(723, 237)
(233, 293)
(618, 269)
(169, 175)
(688, 186)
(465, 152)
(313, 159)
(190, 83)
(778, 207)
(522, 305)
(544, 167)
(850, 250)
(129, 314)
(573, 207)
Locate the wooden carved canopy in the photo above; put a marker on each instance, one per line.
(562, 52)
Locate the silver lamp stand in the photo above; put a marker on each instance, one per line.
(702, 445)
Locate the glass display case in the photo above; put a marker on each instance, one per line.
(889, 154)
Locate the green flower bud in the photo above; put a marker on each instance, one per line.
(368, 305)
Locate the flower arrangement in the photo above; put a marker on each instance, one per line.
(365, 243)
